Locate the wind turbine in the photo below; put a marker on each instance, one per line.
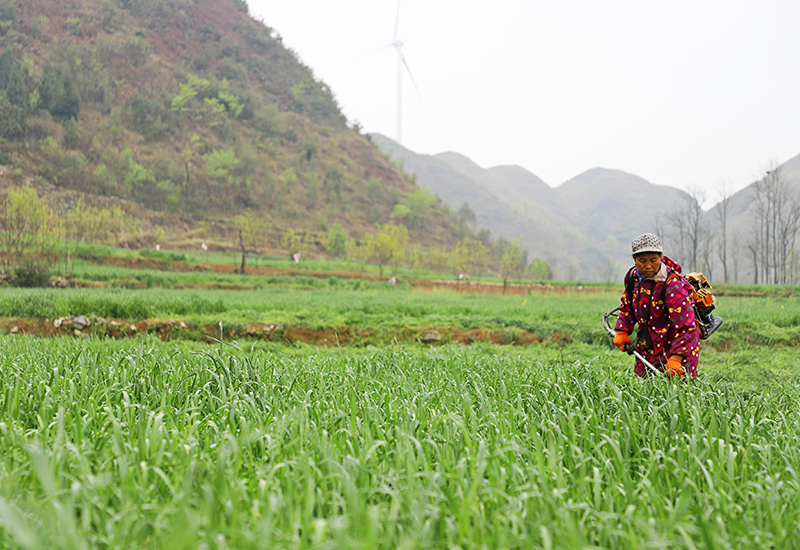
(401, 62)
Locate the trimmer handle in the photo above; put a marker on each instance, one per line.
(629, 348)
(611, 332)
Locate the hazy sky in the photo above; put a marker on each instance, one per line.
(681, 93)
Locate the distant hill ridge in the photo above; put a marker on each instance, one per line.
(582, 228)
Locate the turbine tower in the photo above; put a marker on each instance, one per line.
(401, 61)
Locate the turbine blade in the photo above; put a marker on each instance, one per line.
(382, 48)
(414, 82)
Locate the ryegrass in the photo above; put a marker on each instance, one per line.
(330, 306)
(136, 278)
(748, 321)
(139, 443)
(146, 444)
(121, 277)
(386, 308)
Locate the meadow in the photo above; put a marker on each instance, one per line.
(140, 443)
(760, 321)
(100, 264)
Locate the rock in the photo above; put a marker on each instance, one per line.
(80, 322)
(432, 336)
(60, 282)
(58, 322)
(14, 329)
(133, 328)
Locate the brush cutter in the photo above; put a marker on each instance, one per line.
(703, 302)
(628, 347)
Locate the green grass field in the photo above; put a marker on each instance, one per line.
(748, 320)
(139, 443)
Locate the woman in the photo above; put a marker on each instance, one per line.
(658, 301)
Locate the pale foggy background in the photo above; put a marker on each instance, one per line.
(681, 93)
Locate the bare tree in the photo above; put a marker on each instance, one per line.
(736, 254)
(660, 227)
(776, 221)
(789, 223)
(674, 228)
(689, 228)
(706, 252)
(725, 193)
(794, 267)
(752, 248)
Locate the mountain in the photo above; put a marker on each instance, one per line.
(791, 170)
(457, 181)
(583, 228)
(190, 109)
(514, 185)
(612, 205)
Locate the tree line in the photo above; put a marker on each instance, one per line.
(719, 243)
(389, 247)
(36, 240)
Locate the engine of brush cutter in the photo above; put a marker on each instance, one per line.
(703, 301)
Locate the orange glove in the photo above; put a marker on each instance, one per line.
(674, 366)
(621, 340)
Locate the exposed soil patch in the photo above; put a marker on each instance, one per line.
(177, 329)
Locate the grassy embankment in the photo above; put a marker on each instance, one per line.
(755, 344)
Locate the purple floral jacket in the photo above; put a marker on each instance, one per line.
(669, 321)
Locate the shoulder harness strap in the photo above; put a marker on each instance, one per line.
(629, 281)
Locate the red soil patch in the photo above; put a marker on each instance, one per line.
(325, 336)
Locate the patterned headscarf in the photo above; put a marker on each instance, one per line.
(646, 243)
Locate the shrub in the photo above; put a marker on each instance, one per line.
(12, 118)
(163, 255)
(32, 274)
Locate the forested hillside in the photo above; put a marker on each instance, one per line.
(195, 113)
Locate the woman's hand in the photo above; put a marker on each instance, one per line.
(622, 340)
(674, 366)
